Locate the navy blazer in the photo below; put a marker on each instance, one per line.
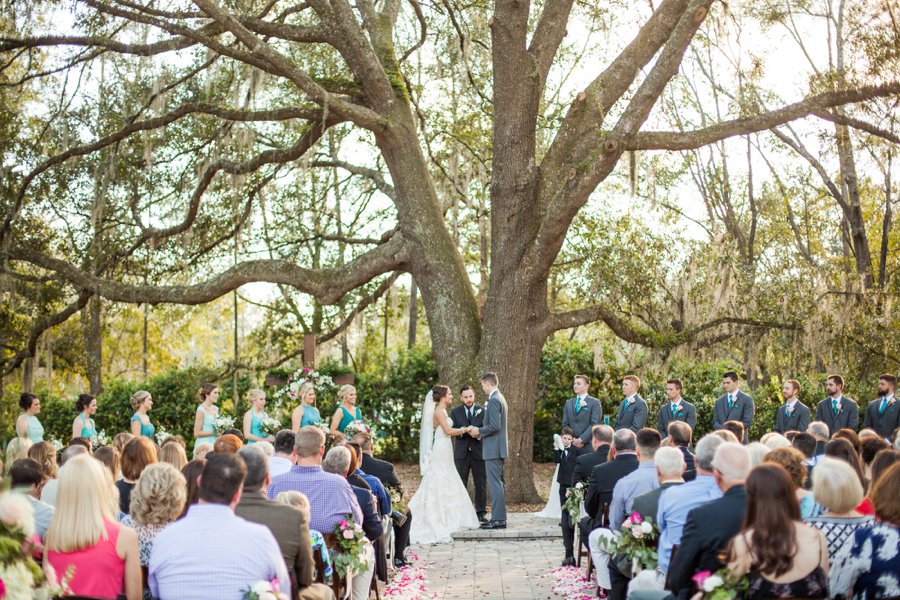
(465, 443)
(603, 479)
(585, 463)
(884, 423)
(742, 410)
(796, 421)
(707, 531)
(848, 418)
(632, 416)
(371, 524)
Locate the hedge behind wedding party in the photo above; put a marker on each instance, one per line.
(391, 397)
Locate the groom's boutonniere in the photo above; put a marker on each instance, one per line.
(478, 411)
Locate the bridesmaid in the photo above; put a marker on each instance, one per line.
(347, 412)
(27, 425)
(141, 426)
(205, 418)
(253, 418)
(306, 414)
(83, 426)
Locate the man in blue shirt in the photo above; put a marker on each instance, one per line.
(211, 552)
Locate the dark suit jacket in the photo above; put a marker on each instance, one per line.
(647, 503)
(566, 464)
(688, 414)
(290, 529)
(466, 444)
(884, 423)
(632, 416)
(820, 448)
(371, 524)
(848, 417)
(582, 421)
(585, 463)
(796, 421)
(381, 469)
(603, 479)
(742, 411)
(707, 531)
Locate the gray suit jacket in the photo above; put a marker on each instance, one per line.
(688, 414)
(632, 416)
(742, 411)
(582, 421)
(494, 442)
(847, 418)
(796, 421)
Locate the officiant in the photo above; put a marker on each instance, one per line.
(467, 449)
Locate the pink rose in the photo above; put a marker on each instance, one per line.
(700, 577)
(343, 523)
(348, 534)
(636, 518)
(2, 589)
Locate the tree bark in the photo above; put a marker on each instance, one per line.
(91, 327)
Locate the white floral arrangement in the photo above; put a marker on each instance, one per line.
(57, 445)
(265, 590)
(358, 426)
(269, 425)
(323, 427)
(301, 377)
(223, 423)
(161, 435)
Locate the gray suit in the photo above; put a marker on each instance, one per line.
(583, 420)
(741, 410)
(494, 450)
(632, 416)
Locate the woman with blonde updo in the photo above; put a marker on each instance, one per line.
(347, 412)
(254, 418)
(306, 413)
(205, 418)
(141, 402)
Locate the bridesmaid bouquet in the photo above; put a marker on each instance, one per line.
(223, 423)
(269, 425)
(265, 590)
(350, 553)
(358, 426)
(99, 440)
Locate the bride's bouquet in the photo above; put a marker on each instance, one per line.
(358, 426)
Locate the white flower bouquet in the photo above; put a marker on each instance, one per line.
(223, 423)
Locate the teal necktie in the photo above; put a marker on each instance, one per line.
(834, 405)
(883, 406)
(730, 401)
(577, 404)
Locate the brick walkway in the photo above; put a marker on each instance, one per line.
(506, 568)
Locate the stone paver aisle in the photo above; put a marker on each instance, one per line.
(501, 569)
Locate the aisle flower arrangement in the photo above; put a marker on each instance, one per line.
(637, 541)
(574, 498)
(350, 554)
(721, 585)
(409, 582)
(571, 584)
(265, 590)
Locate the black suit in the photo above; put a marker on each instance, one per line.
(600, 488)
(690, 467)
(798, 420)
(384, 471)
(883, 422)
(585, 463)
(566, 461)
(467, 454)
(708, 530)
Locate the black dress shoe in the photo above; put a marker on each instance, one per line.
(494, 525)
(400, 562)
(568, 562)
(482, 517)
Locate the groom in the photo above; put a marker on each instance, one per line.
(493, 448)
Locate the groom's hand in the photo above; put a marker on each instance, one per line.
(473, 431)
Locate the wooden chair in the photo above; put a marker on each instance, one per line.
(604, 522)
(338, 582)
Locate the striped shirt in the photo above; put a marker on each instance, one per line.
(330, 496)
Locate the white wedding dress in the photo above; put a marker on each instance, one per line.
(441, 505)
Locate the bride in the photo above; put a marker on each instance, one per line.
(441, 494)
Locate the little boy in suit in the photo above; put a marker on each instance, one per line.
(566, 458)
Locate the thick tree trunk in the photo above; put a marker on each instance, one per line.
(91, 322)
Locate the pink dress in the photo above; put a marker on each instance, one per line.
(99, 570)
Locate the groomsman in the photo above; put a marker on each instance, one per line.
(837, 411)
(883, 415)
(794, 415)
(467, 449)
(633, 410)
(734, 405)
(676, 409)
(581, 413)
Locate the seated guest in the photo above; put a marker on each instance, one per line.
(211, 552)
(758, 452)
(157, 500)
(285, 456)
(139, 453)
(331, 498)
(201, 449)
(842, 449)
(236, 433)
(864, 433)
(849, 435)
(622, 461)
(109, 456)
(27, 477)
(837, 490)
(672, 510)
(735, 427)
(120, 440)
(882, 461)
(680, 435)
(191, 473)
(289, 526)
(792, 461)
(174, 439)
(868, 448)
(48, 492)
(781, 555)
(81, 442)
(669, 471)
(806, 444)
(173, 453)
(384, 471)
(601, 439)
(820, 432)
(375, 485)
(299, 502)
(867, 564)
(337, 462)
(45, 454)
(228, 442)
(774, 441)
(711, 526)
(84, 535)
